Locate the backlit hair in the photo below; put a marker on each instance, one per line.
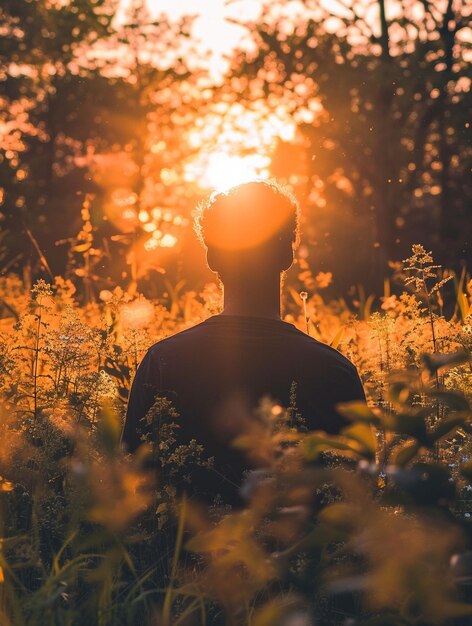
(248, 216)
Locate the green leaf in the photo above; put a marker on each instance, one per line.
(364, 435)
(411, 424)
(316, 443)
(463, 304)
(357, 411)
(399, 390)
(341, 516)
(368, 306)
(434, 362)
(452, 399)
(406, 454)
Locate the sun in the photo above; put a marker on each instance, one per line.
(233, 144)
(222, 170)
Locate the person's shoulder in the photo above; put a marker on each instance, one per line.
(322, 350)
(333, 354)
(177, 339)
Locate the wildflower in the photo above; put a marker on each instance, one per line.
(137, 314)
(389, 303)
(421, 268)
(41, 291)
(106, 388)
(105, 295)
(324, 279)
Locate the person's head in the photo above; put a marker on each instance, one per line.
(249, 230)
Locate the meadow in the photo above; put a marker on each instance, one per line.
(117, 117)
(368, 527)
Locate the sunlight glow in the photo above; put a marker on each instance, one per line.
(222, 170)
(137, 314)
(168, 241)
(235, 144)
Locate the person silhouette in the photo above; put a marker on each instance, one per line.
(217, 372)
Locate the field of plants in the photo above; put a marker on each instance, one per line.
(368, 527)
(117, 118)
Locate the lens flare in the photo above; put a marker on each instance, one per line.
(221, 170)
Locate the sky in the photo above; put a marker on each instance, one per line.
(214, 25)
(211, 27)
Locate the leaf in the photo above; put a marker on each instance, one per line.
(316, 443)
(368, 306)
(273, 612)
(340, 515)
(434, 362)
(446, 427)
(452, 399)
(123, 393)
(337, 338)
(82, 247)
(406, 454)
(364, 435)
(463, 303)
(425, 484)
(411, 424)
(295, 295)
(399, 391)
(357, 411)
(109, 428)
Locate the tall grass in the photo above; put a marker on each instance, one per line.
(369, 526)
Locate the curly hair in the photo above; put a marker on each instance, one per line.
(248, 216)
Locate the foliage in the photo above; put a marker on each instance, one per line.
(379, 114)
(371, 525)
(364, 112)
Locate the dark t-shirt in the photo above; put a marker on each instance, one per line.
(217, 372)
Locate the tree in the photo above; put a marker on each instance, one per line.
(42, 85)
(365, 90)
(93, 108)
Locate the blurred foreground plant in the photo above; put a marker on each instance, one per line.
(355, 528)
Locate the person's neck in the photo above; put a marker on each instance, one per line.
(253, 298)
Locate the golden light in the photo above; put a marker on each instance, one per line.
(151, 244)
(129, 214)
(158, 240)
(221, 170)
(123, 197)
(149, 227)
(247, 219)
(137, 314)
(168, 241)
(236, 143)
